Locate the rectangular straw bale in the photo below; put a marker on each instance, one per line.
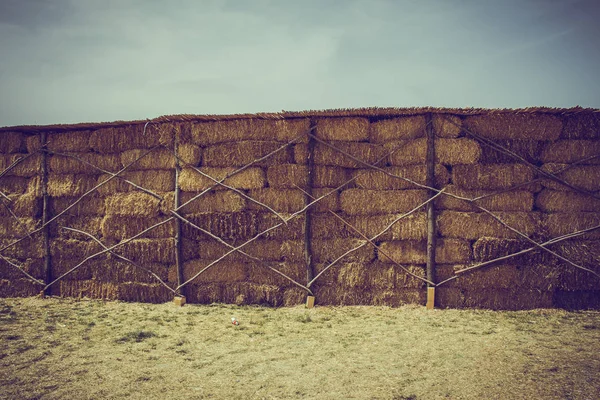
(153, 180)
(26, 168)
(90, 289)
(560, 201)
(446, 125)
(367, 202)
(581, 126)
(219, 201)
(329, 250)
(586, 177)
(271, 250)
(529, 150)
(69, 141)
(156, 159)
(397, 298)
(14, 185)
(123, 138)
(381, 276)
(540, 276)
(489, 248)
(146, 251)
(415, 252)
(281, 130)
(344, 129)
(413, 226)
(123, 227)
(397, 129)
(238, 154)
(340, 296)
(26, 205)
(71, 251)
(329, 277)
(331, 201)
(569, 151)
(144, 292)
(475, 225)
(241, 293)
(91, 225)
(497, 276)
(406, 281)
(558, 224)
(294, 230)
(227, 226)
(294, 296)
(372, 179)
(204, 293)
(577, 300)
(216, 132)
(491, 176)
(516, 200)
(507, 299)
(11, 142)
(191, 180)
(324, 155)
(18, 288)
(91, 205)
(448, 151)
(327, 176)
(84, 272)
(60, 164)
(259, 273)
(70, 185)
(189, 154)
(133, 204)
(28, 248)
(582, 252)
(515, 126)
(33, 266)
(281, 200)
(449, 297)
(33, 142)
(287, 176)
(352, 275)
(10, 228)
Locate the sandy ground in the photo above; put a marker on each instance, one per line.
(67, 349)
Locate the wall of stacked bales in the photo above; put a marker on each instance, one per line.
(150, 194)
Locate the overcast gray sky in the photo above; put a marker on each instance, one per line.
(66, 61)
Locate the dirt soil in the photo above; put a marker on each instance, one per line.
(68, 349)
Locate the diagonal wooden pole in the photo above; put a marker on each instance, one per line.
(431, 227)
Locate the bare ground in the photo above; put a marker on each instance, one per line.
(67, 349)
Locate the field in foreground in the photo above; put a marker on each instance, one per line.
(67, 349)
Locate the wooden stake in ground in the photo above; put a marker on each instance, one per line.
(431, 228)
(45, 217)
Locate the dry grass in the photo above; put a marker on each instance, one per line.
(347, 129)
(64, 349)
(515, 126)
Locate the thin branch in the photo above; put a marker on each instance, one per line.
(15, 163)
(9, 262)
(21, 225)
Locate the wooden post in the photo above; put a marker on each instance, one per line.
(308, 215)
(178, 255)
(431, 227)
(45, 217)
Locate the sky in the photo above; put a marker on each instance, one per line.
(69, 61)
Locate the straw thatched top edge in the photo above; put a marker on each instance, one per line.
(374, 112)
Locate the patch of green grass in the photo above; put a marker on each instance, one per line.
(136, 336)
(304, 318)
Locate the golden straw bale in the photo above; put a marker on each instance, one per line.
(287, 176)
(586, 177)
(586, 253)
(27, 168)
(72, 251)
(581, 126)
(397, 298)
(447, 126)
(261, 274)
(576, 300)
(497, 276)
(516, 200)
(352, 275)
(238, 154)
(191, 180)
(123, 227)
(84, 272)
(11, 142)
(146, 251)
(403, 280)
(340, 296)
(327, 176)
(328, 277)
(166, 133)
(330, 202)
(215, 132)
(372, 179)
(28, 248)
(489, 248)
(382, 276)
(328, 250)
(540, 276)
(366, 202)
(507, 299)
(569, 151)
(241, 293)
(156, 159)
(18, 288)
(491, 176)
(69, 185)
(227, 226)
(475, 225)
(529, 150)
(282, 130)
(324, 155)
(270, 250)
(294, 296)
(69, 141)
(10, 228)
(447, 151)
(413, 226)
(281, 200)
(415, 252)
(118, 139)
(14, 185)
(133, 204)
(205, 293)
(90, 289)
(515, 126)
(189, 154)
(91, 225)
(144, 292)
(294, 229)
(33, 143)
(26, 205)
(59, 164)
(32, 266)
(558, 224)
(449, 297)
(153, 180)
(344, 129)
(397, 128)
(90, 205)
(560, 201)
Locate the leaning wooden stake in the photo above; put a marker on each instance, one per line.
(45, 217)
(431, 231)
(179, 300)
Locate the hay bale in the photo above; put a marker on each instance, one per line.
(330, 202)
(586, 177)
(378, 180)
(475, 225)
(329, 177)
(529, 150)
(69, 141)
(448, 297)
(294, 230)
(447, 126)
(323, 155)
(415, 252)
(559, 201)
(581, 126)
(166, 133)
(338, 296)
(507, 299)
(397, 129)
(352, 275)
(399, 298)
(516, 200)
(366, 202)
(26, 168)
(84, 272)
(10, 228)
(260, 274)
(515, 126)
(33, 143)
(582, 252)
(491, 176)
(569, 151)
(227, 226)
(191, 180)
(33, 266)
(26, 205)
(325, 251)
(269, 250)
(25, 249)
(238, 154)
(14, 185)
(489, 248)
(241, 293)
(287, 176)
(406, 281)
(18, 288)
(122, 227)
(91, 225)
(328, 277)
(577, 300)
(91, 205)
(206, 293)
(447, 151)
(90, 289)
(219, 201)
(381, 276)
(558, 224)
(134, 204)
(11, 142)
(146, 251)
(281, 200)
(157, 159)
(60, 164)
(293, 297)
(70, 185)
(153, 180)
(144, 292)
(123, 138)
(71, 251)
(413, 226)
(343, 129)
(216, 132)
(189, 154)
